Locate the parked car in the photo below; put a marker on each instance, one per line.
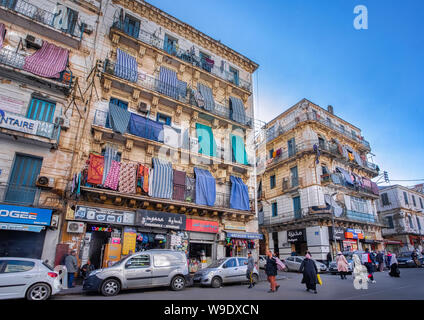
(405, 260)
(146, 269)
(226, 270)
(262, 262)
(349, 257)
(293, 264)
(27, 278)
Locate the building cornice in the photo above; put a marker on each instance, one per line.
(169, 22)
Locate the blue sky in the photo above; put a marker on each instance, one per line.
(310, 49)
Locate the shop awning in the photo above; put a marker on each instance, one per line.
(392, 242)
(20, 227)
(244, 235)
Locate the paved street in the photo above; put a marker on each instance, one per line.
(409, 286)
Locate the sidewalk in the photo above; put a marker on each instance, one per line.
(78, 288)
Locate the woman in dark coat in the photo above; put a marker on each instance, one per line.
(310, 271)
(271, 271)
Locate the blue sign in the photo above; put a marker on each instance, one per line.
(244, 235)
(25, 215)
(20, 227)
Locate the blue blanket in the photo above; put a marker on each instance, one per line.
(205, 187)
(239, 198)
(118, 118)
(145, 128)
(162, 179)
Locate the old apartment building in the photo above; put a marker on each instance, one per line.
(315, 190)
(402, 210)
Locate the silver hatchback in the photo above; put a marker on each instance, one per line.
(146, 269)
(226, 270)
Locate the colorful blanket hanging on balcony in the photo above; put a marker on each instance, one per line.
(95, 169)
(119, 118)
(2, 34)
(238, 112)
(161, 179)
(126, 66)
(207, 95)
(49, 61)
(110, 155)
(143, 177)
(239, 150)
(128, 178)
(205, 187)
(179, 185)
(239, 198)
(112, 178)
(346, 175)
(168, 82)
(145, 128)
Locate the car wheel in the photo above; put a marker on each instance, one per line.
(110, 287)
(255, 278)
(38, 291)
(178, 283)
(216, 282)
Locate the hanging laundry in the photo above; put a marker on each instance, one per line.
(205, 187)
(168, 82)
(239, 150)
(346, 175)
(207, 95)
(190, 189)
(179, 185)
(238, 113)
(118, 118)
(199, 99)
(110, 155)
(126, 66)
(239, 198)
(350, 156)
(112, 178)
(143, 176)
(128, 178)
(278, 152)
(374, 188)
(2, 34)
(95, 169)
(49, 61)
(317, 153)
(145, 128)
(162, 179)
(358, 158)
(274, 154)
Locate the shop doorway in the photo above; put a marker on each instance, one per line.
(22, 244)
(99, 239)
(301, 248)
(200, 255)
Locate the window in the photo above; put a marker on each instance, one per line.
(324, 170)
(359, 205)
(270, 153)
(117, 158)
(413, 200)
(72, 21)
(418, 223)
(390, 222)
(342, 128)
(411, 225)
(230, 263)
(235, 76)
(206, 140)
(142, 261)
(42, 110)
(299, 260)
(354, 134)
(205, 60)
(405, 196)
(164, 260)
(291, 147)
(18, 266)
(242, 261)
(272, 181)
(170, 44)
(294, 177)
(385, 199)
(421, 203)
(162, 118)
(274, 209)
(321, 143)
(297, 208)
(131, 26)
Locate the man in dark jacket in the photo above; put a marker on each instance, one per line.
(309, 269)
(271, 271)
(329, 258)
(380, 259)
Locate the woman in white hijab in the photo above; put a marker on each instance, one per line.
(394, 269)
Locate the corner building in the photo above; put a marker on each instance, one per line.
(315, 190)
(166, 158)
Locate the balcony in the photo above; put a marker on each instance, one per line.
(19, 126)
(153, 84)
(43, 22)
(185, 56)
(271, 135)
(327, 179)
(13, 67)
(100, 122)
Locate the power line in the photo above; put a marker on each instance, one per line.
(408, 180)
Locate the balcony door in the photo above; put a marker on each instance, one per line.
(21, 188)
(296, 208)
(291, 147)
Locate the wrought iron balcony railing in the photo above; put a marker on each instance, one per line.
(154, 84)
(186, 55)
(17, 60)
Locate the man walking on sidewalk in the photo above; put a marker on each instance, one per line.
(250, 267)
(71, 264)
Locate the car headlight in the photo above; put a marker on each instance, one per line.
(92, 273)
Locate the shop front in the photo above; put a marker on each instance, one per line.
(352, 237)
(370, 241)
(160, 230)
(238, 244)
(337, 236)
(393, 246)
(416, 241)
(203, 243)
(297, 239)
(23, 231)
(101, 235)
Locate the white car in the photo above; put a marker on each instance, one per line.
(262, 262)
(293, 264)
(27, 278)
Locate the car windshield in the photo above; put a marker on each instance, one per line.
(405, 255)
(216, 263)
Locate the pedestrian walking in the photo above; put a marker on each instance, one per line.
(368, 261)
(414, 257)
(329, 259)
(342, 265)
(86, 269)
(309, 269)
(71, 264)
(380, 259)
(271, 271)
(394, 268)
(250, 268)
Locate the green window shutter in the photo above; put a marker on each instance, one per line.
(207, 144)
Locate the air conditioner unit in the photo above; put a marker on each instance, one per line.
(33, 42)
(143, 107)
(87, 29)
(65, 123)
(45, 182)
(75, 227)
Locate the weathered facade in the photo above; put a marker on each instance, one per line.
(312, 164)
(402, 210)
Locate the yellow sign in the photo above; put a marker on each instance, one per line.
(129, 242)
(70, 214)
